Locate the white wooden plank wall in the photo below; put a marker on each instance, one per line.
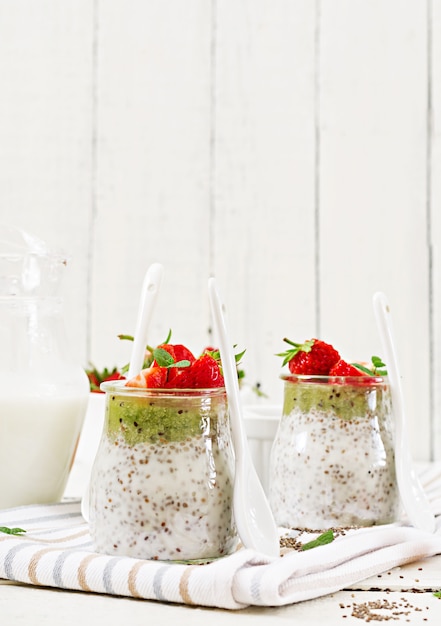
(292, 148)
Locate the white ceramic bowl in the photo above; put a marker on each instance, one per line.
(261, 422)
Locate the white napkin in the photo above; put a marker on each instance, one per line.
(57, 551)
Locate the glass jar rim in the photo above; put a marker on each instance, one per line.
(119, 387)
(335, 380)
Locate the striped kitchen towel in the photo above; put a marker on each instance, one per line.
(57, 551)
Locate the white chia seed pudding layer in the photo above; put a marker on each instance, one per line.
(164, 499)
(327, 471)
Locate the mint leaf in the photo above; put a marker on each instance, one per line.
(165, 359)
(11, 531)
(321, 540)
(377, 362)
(183, 363)
(363, 369)
(437, 594)
(162, 357)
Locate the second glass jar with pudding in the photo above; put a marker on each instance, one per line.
(332, 461)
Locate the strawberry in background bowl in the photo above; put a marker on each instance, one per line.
(97, 377)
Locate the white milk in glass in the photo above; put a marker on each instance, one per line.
(43, 389)
(38, 437)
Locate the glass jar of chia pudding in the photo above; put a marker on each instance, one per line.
(162, 482)
(332, 462)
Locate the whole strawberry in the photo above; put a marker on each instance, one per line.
(313, 357)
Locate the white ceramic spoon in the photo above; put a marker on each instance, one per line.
(149, 292)
(412, 495)
(150, 288)
(254, 520)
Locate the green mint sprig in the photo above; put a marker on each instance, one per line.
(377, 367)
(216, 355)
(321, 540)
(11, 531)
(149, 357)
(165, 359)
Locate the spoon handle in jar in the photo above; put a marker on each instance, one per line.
(150, 288)
(253, 516)
(413, 497)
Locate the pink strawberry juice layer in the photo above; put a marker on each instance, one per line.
(162, 481)
(332, 461)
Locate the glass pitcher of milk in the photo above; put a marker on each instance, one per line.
(43, 391)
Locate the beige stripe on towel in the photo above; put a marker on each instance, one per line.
(133, 573)
(184, 584)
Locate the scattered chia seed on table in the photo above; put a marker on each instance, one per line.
(368, 611)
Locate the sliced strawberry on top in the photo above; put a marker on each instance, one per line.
(183, 354)
(313, 357)
(168, 348)
(178, 353)
(363, 375)
(153, 377)
(342, 368)
(203, 373)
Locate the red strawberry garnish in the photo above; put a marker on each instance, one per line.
(342, 368)
(210, 349)
(168, 348)
(175, 367)
(203, 373)
(177, 351)
(183, 354)
(365, 375)
(153, 377)
(179, 355)
(313, 357)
